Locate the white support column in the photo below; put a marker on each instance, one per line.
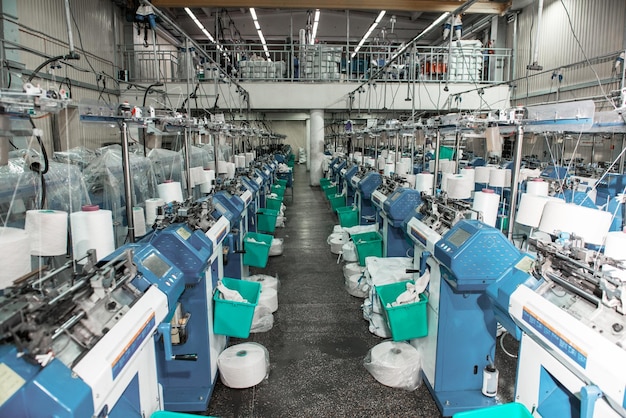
(317, 146)
(308, 144)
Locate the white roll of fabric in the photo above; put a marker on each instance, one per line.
(269, 298)
(249, 158)
(590, 224)
(460, 187)
(497, 177)
(170, 191)
(262, 320)
(15, 248)
(92, 228)
(395, 364)
(243, 365)
(401, 168)
(537, 187)
(209, 180)
(336, 244)
(139, 220)
(487, 202)
(389, 169)
(47, 230)
(481, 174)
(530, 209)
(407, 161)
(615, 246)
(353, 286)
(151, 209)
(424, 183)
(351, 269)
(349, 252)
(266, 281)
(277, 246)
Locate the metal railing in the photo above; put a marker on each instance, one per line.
(465, 62)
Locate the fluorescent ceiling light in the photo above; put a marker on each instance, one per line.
(316, 22)
(259, 32)
(200, 25)
(369, 32)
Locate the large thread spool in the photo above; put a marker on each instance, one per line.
(170, 191)
(92, 228)
(460, 187)
(47, 230)
(486, 202)
(537, 187)
(424, 183)
(497, 177)
(590, 224)
(139, 221)
(269, 298)
(209, 180)
(152, 206)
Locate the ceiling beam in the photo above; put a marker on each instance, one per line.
(482, 6)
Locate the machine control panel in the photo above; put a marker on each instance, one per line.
(369, 184)
(474, 255)
(400, 204)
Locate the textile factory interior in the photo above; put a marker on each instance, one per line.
(434, 192)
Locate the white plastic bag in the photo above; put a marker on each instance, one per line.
(263, 319)
(395, 364)
(349, 252)
(276, 247)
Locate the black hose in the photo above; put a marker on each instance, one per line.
(70, 56)
(37, 167)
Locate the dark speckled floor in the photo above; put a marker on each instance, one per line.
(319, 338)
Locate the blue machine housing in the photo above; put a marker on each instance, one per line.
(554, 172)
(610, 186)
(474, 255)
(229, 206)
(187, 385)
(52, 391)
(347, 178)
(477, 162)
(400, 204)
(336, 170)
(367, 186)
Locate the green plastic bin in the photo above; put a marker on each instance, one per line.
(266, 220)
(256, 248)
(405, 321)
(446, 153)
(508, 410)
(337, 201)
(330, 190)
(324, 182)
(368, 244)
(281, 182)
(231, 318)
(348, 216)
(273, 202)
(278, 190)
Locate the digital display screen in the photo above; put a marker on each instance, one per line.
(395, 197)
(219, 207)
(459, 237)
(156, 265)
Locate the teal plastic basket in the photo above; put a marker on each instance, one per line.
(266, 220)
(337, 201)
(278, 190)
(508, 410)
(273, 202)
(348, 216)
(281, 182)
(368, 244)
(324, 182)
(406, 321)
(330, 190)
(231, 318)
(256, 252)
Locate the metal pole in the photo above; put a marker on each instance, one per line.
(128, 185)
(621, 160)
(517, 161)
(186, 150)
(437, 144)
(457, 152)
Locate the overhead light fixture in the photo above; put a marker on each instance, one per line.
(316, 22)
(259, 32)
(436, 23)
(369, 32)
(200, 25)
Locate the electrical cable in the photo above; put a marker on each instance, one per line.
(504, 349)
(36, 167)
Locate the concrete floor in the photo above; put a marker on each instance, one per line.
(319, 338)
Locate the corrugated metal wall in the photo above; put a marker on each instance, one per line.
(97, 27)
(599, 27)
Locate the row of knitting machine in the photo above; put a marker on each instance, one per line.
(127, 329)
(442, 272)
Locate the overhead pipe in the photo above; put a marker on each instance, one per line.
(535, 65)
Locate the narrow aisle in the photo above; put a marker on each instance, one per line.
(319, 338)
